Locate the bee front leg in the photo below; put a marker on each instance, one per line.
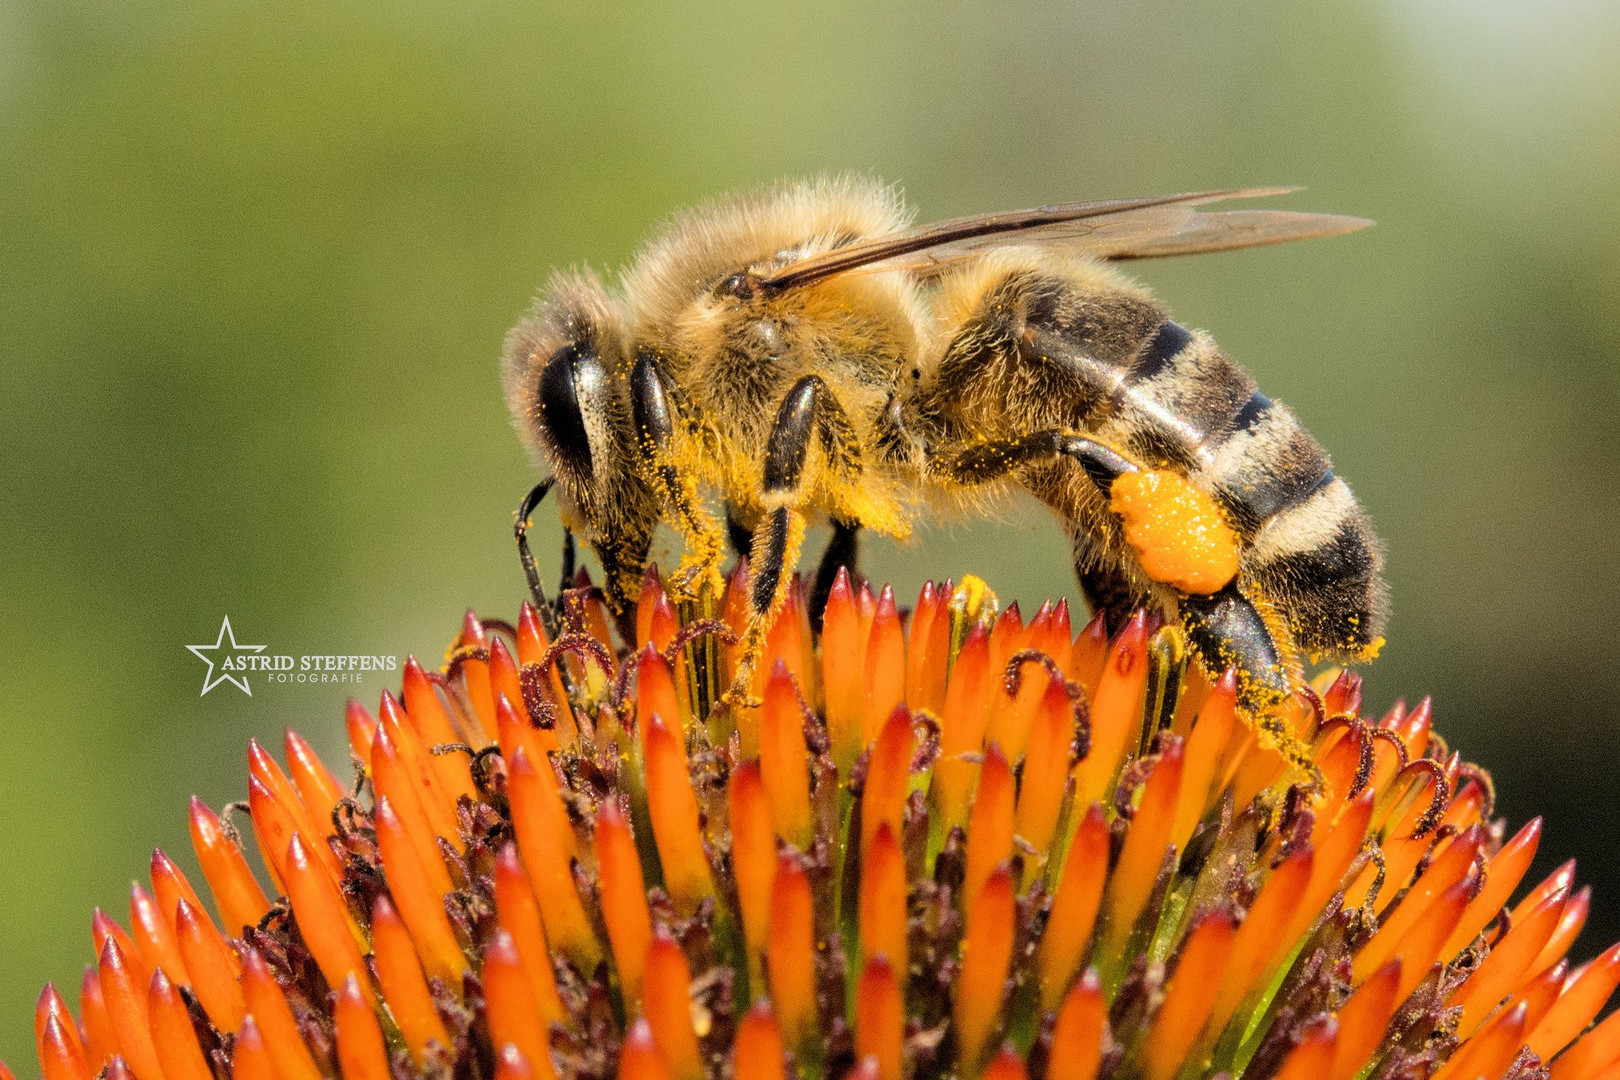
(808, 411)
(531, 571)
(654, 414)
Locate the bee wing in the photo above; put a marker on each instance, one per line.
(1111, 229)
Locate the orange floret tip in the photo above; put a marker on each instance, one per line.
(402, 983)
(414, 768)
(883, 678)
(753, 860)
(655, 690)
(546, 844)
(673, 808)
(1189, 996)
(510, 1064)
(962, 729)
(323, 917)
(888, 777)
(251, 1058)
(656, 621)
(361, 1052)
(169, 886)
(1006, 1065)
(317, 787)
(432, 723)
(880, 1018)
(986, 955)
(519, 915)
(361, 728)
(175, 1040)
(532, 647)
(1116, 711)
(123, 989)
(957, 844)
(882, 914)
(154, 937)
(100, 1042)
(237, 894)
(990, 823)
(784, 758)
(757, 1052)
(843, 662)
(1047, 761)
(667, 1004)
(407, 821)
(791, 951)
(56, 1037)
(623, 896)
(1080, 1032)
(420, 905)
(267, 1004)
(639, 1058)
(509, 1000)
(214, 968)
(60, 1055)
(289, 808)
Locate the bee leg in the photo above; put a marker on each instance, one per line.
(624, 561)
(1226, 631)
(994, 459)
(570, 557)
(1108, 589)
(739, 535)
(842, 550)
(654, 417)
(531, 571)
(807, 412)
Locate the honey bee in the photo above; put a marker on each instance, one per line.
(804, 355)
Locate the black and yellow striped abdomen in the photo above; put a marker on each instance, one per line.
(1078, 348)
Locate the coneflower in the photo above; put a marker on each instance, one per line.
(945, 844)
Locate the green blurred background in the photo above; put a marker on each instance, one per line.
(256, 261)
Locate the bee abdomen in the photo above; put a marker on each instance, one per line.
(1264, 464)
(1320, 563)
(1308, 546)
(1174, 394)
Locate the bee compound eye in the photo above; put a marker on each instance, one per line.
(570, 369)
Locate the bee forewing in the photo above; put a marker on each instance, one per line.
(1225, 230)
(1112, 229)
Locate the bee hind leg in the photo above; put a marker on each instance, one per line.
(1227, 631)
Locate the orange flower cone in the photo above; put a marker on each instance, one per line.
(943, 843)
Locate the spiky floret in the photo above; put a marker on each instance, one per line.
(949, 843)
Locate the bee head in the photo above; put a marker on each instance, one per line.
(559, 372)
